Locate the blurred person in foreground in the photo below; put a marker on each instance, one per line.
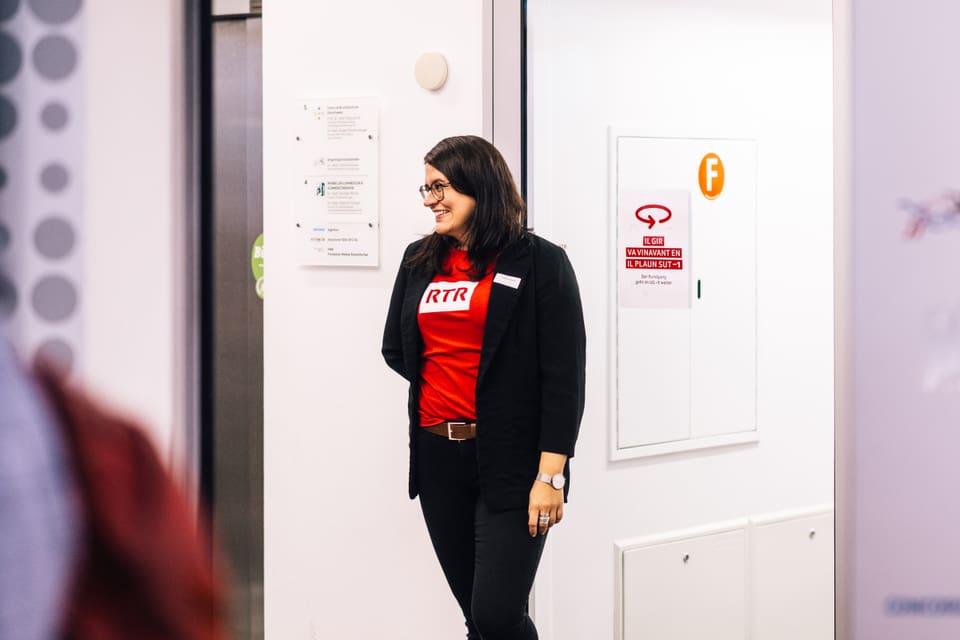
(96, 540)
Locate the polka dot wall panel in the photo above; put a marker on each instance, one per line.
(41, 150)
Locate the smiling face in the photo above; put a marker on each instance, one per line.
(453, 212)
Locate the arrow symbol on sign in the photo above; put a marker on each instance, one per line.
(649, 219)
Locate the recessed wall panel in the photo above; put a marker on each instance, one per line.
(683, 254)
(792, 578)
(693, 588)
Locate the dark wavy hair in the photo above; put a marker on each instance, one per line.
(475, 168)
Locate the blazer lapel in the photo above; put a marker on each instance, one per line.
(514, 263)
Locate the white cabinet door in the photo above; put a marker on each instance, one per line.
(693, 589)
(723, 340)
(685, 336)
(653, 381)
(792, 579)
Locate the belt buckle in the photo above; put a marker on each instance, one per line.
(450, 426)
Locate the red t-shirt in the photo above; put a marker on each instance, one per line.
(452, 314)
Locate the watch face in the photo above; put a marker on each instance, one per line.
(558, 481)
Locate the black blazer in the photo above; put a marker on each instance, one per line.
(530, 384)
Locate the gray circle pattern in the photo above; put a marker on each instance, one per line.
(54, 238)
(54, 177)
(8, 297)
(10, 57)
(57, 352)
(54, 11)
(8, 8)
(8, 117)
(54, 116)
(54, 298)
(54, 57)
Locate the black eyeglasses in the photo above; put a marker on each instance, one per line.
(436, 189)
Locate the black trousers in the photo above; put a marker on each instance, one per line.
(488, 557)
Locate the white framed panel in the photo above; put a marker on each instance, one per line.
(768, 576)
(791, 575)
(687, 584)
(724, 312)
(684, 365)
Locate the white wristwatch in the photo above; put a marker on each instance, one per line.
(556, 481)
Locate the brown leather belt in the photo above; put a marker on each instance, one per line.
(454, 430)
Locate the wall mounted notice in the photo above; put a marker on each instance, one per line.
(654, 247)
(336, 196)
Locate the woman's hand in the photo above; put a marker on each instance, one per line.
(544, 499)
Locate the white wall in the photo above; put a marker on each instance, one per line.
(132, 202)
(346, 553)
(720, 68)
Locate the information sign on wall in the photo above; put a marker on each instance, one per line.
(336, 196)
(654, 245)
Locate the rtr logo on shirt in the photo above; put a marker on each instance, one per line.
(447, 296)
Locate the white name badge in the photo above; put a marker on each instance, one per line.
(447, 296)
(511, 281)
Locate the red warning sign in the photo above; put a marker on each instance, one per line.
(637, 263)
(653, 246)
(658, 252)
(652, 214)
(653, 249)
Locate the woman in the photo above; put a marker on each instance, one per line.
(485, 322)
